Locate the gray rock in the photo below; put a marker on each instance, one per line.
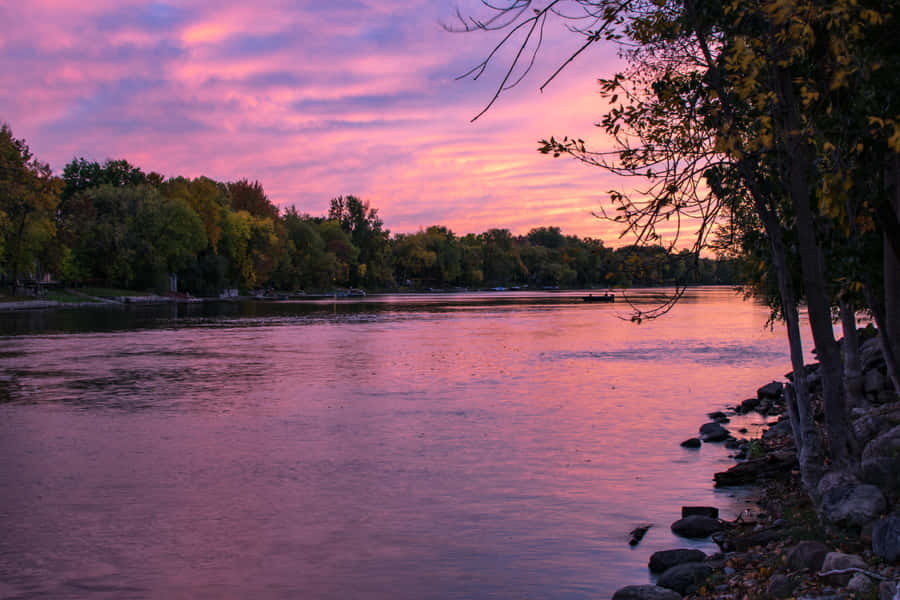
(853, 504)
(886, 538)
(887, 589)
(781, 428)
(873, 381)
(713, 432)
(770, 465)
(870, 353)
(666, 559)
(637, 534)
(885, 444)
(835, 561)
(696, 526)
(834, 479)
(772, 391)
(691, 443)
(869, 426)
(718, 416)
(882, 471)
(780, 586)
(860, 584)
(684, 578)
(707, 511)
(807, 555)
(748, 405)
(645, 592)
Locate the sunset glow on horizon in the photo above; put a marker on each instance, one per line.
(314, 101)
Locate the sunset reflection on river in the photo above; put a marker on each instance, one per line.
(417, 447)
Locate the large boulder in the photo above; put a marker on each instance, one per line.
(860, 585)
(808, 555)
(685, 578)
(873, 381)
(885, 444)
(713, 432)
(755, 469)
(883, 472)
(870, 354)
(666, 559)
(781, 428)
(691, 443)
(707, 511)
(886, 538)
(853, 504)
(748, 405)
(869, 426)
(645, 592)
(837, 561)
(770, 391)
(881, 460)
(696, 526)
(718, 416)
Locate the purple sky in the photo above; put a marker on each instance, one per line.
(312, 98)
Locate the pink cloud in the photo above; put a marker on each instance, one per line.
(312, 100)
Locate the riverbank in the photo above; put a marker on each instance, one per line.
(73, 298)
(783, 547)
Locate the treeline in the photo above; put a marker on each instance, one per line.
(115, 225)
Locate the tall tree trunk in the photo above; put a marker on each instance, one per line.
(890, 333)
(799, 159)
(853, 376)
(806, 434)
(809, 451)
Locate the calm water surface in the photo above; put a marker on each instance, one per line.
(465, 446)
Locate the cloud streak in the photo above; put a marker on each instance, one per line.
(313, 99)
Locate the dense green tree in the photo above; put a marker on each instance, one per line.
(366, 230)
(167, 234)
(206, 197)
(28, 201)
(82, 174)
(250, 197)
(502, 261)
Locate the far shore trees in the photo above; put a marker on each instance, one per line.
(112, 224)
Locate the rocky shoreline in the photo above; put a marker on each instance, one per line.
(784, 547)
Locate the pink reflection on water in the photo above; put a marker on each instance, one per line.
(407, 448)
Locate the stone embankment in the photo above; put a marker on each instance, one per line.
(784, 547)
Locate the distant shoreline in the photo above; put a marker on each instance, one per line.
(156, 299)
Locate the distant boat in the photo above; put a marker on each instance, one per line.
(599, 298)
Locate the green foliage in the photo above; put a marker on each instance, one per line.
(82, 174)
(113, 225)
(371, 267)
(250, 197)
(28, 202)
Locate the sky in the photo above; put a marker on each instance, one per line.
(314, 99)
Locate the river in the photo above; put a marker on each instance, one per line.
(484, 445)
